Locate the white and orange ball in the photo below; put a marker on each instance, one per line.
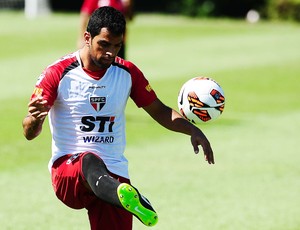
(201, 99)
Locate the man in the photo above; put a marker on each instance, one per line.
(89, 6)
(85, 94)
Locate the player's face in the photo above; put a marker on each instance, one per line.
(104, 48)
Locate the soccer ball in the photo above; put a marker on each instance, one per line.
(201, 99)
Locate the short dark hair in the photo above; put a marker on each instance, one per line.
(109, 18)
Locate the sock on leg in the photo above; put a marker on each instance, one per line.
(102, 184)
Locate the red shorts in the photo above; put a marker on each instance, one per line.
(69, 186)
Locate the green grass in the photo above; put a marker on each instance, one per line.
(254, 184)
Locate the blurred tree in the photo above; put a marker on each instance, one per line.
(278, 9)
(284, 9)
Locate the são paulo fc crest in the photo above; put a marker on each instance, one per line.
(97, 102)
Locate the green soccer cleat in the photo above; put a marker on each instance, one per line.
(137, 204)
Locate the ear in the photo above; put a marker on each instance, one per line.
(87, 38)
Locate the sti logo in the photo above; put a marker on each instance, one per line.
(97, 102)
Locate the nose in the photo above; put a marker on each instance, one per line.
(111, 52)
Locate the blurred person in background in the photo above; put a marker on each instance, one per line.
(89, 6)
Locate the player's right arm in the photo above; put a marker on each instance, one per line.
(33, 122)
(42, 99)
(44, 95)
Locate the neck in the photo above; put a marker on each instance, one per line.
(87, 61)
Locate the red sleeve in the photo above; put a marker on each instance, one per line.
(46, 86)
(48, 82)
(141, 92)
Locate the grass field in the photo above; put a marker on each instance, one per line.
(254, 184)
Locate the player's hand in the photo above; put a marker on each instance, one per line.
(37, 111)
(38, 108)
(198, 138)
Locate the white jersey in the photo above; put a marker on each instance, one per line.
(87, 114)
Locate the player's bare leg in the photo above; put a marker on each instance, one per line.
(112, 191)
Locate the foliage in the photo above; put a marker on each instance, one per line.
(198, 8)
(273, 9)
(227, 8)
(269, 9)
(284, 9)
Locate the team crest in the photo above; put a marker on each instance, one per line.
(98, 102)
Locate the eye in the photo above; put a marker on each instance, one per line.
(104, 44)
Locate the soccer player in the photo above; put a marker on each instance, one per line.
(89, 6)
(85, 94)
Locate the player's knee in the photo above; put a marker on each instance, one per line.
(92, 163)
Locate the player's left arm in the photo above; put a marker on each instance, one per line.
(172, 120)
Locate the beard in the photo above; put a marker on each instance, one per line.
(101, 64)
